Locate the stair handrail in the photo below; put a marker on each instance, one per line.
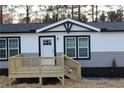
(65, 56)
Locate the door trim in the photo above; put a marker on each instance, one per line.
(39, 38)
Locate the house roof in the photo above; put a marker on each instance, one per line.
(109, 26)
(19, 28)
(31, 28)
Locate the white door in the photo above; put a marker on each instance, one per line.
(47, 50)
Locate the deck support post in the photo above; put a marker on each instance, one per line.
(40, 80)
(62, 80)
(10, 81)
(63, 70)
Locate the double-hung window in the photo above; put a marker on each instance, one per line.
(13, 46)
(77, 47)
(3, 48)
(83, 47)
(70, 46)
(9, 46)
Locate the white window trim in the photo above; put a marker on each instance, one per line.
(70, 47)
(4, 48)
(83, 47)
(12, 48)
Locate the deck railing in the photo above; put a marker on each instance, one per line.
(21, 67)
(28, 67)
(72, 68)
(22, 61)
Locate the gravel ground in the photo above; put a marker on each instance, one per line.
(84, 83)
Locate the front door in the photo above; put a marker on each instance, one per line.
(47, 50)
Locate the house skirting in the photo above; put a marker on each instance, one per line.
(4, 71)
(107, 72)
(92, 72)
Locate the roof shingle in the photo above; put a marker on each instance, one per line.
(6, 28)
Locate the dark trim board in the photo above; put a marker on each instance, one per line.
(102, 72)
(69, 32)
(39, 47)
(21, 32)
(77, 46)
(112, 30)
(68, 28)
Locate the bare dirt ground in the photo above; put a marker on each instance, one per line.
(84, 83)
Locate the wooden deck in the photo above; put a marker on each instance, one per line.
(31, 67)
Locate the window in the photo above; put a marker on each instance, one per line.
(9, 46)
(83, 47)
(47, 42)
(3, 48)
(70, 46)
(77, 47)
(13, 48)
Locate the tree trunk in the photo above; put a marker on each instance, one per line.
(57, 15)
(1, 14)
(79, 12)
(72, 11)
(27, 14)
(92, 12)
(96, 19)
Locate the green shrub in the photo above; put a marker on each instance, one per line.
(114, 64)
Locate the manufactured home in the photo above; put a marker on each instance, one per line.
(92, 45)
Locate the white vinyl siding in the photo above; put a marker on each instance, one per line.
(83, 47)
(3, 48)
(70, 47)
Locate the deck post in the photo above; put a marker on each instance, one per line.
(63, 70)
(62, 80)
(10, 81)
(40, 80)
(79, 73)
